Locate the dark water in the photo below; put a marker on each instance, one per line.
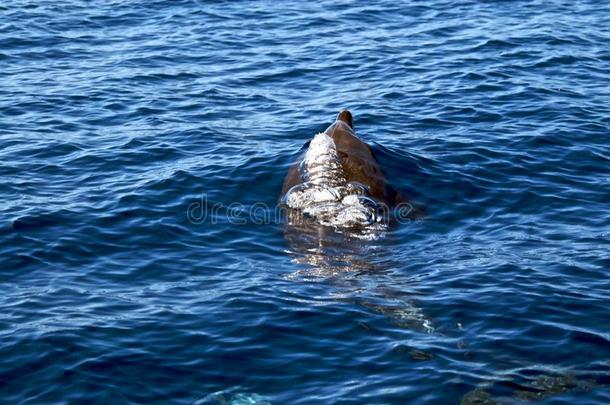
(117, 116)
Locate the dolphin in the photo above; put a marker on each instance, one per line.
(338, 181)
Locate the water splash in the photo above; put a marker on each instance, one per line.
(326, 195)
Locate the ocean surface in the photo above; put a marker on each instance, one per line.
(143, 145)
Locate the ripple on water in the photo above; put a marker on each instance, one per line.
(122, 122)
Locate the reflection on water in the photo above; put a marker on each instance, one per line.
(336, 255)
(359, 271)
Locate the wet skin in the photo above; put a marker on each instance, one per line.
(357, 160)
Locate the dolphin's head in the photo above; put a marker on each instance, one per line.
(346, 116)
(344, 123)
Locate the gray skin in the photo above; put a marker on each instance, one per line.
(357, 160)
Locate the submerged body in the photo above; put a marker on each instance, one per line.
(338, 182)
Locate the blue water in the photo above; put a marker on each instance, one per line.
(119, 119)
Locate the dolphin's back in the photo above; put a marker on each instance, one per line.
(321, 164)
(358, 160)
(326, 193)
